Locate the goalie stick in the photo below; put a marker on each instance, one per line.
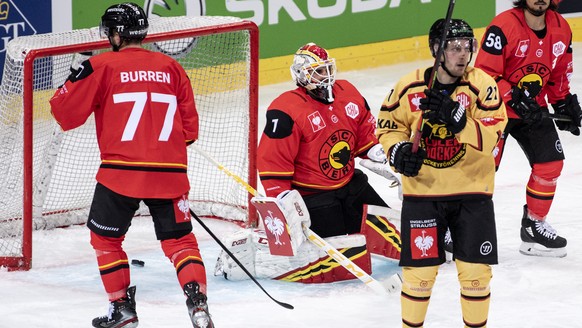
(285, 305)
(433, 72)
(392, 285)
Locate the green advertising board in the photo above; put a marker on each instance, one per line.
(287, 24)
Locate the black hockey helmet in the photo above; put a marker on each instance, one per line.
(458, 29)
(127, 19)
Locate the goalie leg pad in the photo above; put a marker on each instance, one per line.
(382, 236)
(474, 279)
(313, 265)
(241, 245)
(417, 283)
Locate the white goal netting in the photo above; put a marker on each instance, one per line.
(218, 53)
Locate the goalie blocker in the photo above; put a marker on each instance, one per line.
(257, 249)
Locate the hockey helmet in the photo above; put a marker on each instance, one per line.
(458, 29)
(127, 19)
(314, 69)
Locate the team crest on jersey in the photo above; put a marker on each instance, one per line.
(530, 77)
(335, 156)
(352, 110)
(316, 121)
(521, 50)
(442, 148)
(414, 100)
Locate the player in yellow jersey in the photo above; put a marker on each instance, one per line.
(448, 182)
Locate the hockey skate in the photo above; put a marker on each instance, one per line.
(197, 307)
(121, 313)
(539, 238)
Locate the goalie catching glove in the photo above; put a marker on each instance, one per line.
(439, 107)
(569, 107)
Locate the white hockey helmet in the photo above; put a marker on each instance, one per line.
(314, 69)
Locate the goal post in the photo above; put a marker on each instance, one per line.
(47, 176)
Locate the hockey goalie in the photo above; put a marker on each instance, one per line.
(282, 252)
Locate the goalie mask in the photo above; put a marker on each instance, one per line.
(127, 19)
(314, 70)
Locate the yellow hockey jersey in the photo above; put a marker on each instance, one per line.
(457, 166)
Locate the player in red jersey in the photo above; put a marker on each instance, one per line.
(527, 49)
(145, 117)
(312, 135)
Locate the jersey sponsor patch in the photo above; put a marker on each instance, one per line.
(317, 122)
(424, 239)
(414, 100)
(182, 209)
(522, 48)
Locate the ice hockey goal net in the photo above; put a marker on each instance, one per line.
(47, 177)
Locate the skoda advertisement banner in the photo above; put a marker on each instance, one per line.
(287, 24)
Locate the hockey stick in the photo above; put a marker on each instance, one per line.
(435, 66)
(285, 305)
(557, 117)
(393, 283)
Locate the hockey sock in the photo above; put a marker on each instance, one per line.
(382, 237)
(416, 290)
(541, 188)
(183, 252)
(474, 279)
(113, 265)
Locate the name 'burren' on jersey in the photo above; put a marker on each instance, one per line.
(145, 76)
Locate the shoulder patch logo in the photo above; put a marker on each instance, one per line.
(316, 121)
(352, 110)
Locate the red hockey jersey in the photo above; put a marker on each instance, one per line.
(514, 55)
(310, 146)
(144, 111)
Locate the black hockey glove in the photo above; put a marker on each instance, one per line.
(569, 107)
(440, 107)
(525, 106)
(404, 160)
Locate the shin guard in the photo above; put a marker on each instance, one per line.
(185, 256)
(417, 283)
(474, 279)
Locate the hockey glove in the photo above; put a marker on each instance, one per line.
(404, 160)
(570, 107)
(525, 106)
(441, 108)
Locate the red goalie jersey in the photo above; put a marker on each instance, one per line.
(144, 111)
(310, 146)
(515, 55)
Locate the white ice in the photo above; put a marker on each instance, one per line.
(63, 288)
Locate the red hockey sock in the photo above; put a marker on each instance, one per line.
(113, 265)
(185, 255)
(541, 188)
